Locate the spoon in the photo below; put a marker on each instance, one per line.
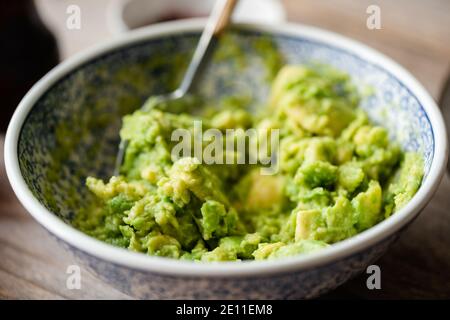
(217, 22)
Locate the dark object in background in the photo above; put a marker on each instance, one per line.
(27, 51)
(444, 104)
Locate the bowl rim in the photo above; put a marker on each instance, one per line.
(160, 265)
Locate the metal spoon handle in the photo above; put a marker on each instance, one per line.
(217, 22)
(120, 157)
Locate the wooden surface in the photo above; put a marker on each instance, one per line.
(416, 33)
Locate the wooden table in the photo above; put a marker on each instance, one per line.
(416, 33)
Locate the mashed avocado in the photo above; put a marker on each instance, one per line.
(338, 175)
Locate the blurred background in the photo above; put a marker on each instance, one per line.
(36, 35)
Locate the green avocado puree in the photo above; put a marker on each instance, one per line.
(338, 175)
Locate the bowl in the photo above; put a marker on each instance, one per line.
(66, 128)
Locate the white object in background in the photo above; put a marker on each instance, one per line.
(124, 15)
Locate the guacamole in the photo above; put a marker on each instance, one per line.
(338, 175)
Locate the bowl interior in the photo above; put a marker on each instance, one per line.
(72, 130)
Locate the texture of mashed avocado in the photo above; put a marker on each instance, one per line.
(338, 175)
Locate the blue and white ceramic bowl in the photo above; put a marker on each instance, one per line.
(66, 128)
